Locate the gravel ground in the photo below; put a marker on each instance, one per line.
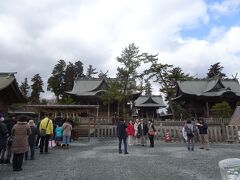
(99, 160)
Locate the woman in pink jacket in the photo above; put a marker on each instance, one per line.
(130, 131)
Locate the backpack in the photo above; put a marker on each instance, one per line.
(189, 131)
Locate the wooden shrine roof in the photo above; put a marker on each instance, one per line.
(210, 88)
(9, 90)
(149, 101)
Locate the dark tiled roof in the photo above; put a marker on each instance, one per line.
(149, 101)
(6, 79)
(90, 87)
(213, 87)
(87, 87)
(9, 89)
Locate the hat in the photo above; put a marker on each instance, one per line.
(31, 123)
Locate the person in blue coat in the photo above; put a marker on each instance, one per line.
(122, 135)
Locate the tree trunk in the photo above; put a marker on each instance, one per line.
(172, 109)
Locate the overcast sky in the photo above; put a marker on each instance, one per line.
(191, 34)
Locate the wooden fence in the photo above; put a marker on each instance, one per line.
(215, 133)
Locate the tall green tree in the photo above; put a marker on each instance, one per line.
(167, 76)
(148, 88)
(24, 88)
(37, 89)
(216, 70)
(56, 81)
(69, 77)
(91, 71)
(79, 69)
(130, 61)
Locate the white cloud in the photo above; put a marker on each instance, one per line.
(34, 36)
(225, 7)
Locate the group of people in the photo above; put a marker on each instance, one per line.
(137, 131)
(190, 130)
(18, 136)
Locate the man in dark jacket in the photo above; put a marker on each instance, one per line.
(122, 135)
(9, 123)
(203, 134)
(142, 132)
(3, 138)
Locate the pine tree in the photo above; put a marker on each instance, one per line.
(130, 60)
(37, 88)
(79, 69)
(148, 88)
(70, 74)
(56, 81)
(167, 76)
(91, 71)
(215, 70)
(24, 88)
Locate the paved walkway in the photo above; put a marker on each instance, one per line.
(99, 160)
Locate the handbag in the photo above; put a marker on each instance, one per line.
(151, 133)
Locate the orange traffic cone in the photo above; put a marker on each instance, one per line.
(167, 137)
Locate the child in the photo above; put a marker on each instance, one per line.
(58, 135)
(31, 140)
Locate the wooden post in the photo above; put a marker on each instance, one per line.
(207, 109)
(224, 134)
(108, 111)
(89, 129)
(98, 131)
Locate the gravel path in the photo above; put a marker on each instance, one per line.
(99, 160)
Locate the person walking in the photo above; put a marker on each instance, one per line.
(67, 129)
(46, 131)
(137, 136)
(203, 134)
(122, 136)
(142, 132)
(32, 140)
(37, 144)
(20, 133)
(3, 138)
(190, 131)
(130, 131)
(151, 133)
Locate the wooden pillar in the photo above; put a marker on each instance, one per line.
(39, 116)
(207, 108)
(108, 111)
(89, 129)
